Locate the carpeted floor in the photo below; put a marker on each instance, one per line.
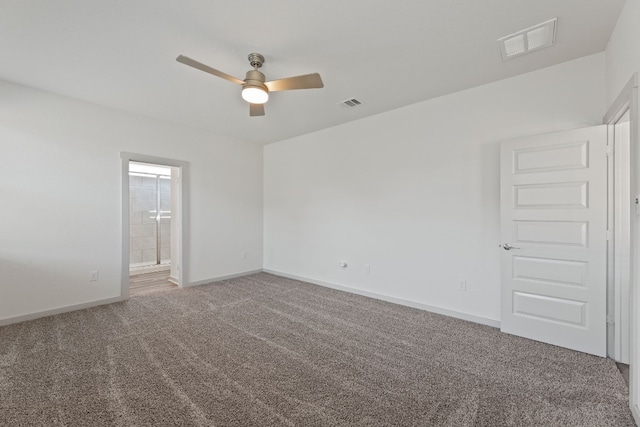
(262, 350)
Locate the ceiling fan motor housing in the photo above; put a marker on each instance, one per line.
(255, 78)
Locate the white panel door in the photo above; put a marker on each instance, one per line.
(554, 238)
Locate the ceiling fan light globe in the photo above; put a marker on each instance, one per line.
(255, 95)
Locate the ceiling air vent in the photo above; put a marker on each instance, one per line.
(350, 103)
(525, 41)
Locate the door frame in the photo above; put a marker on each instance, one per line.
(628, 100)
(618, 248)
(183, 184)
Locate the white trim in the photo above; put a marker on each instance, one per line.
(634, 369)
(221, 278)
(628, 100)
(613, 313)
(623, 102)
(433, 309)
(184, 214)
(59, 310)
(622, 244)
(618, 247)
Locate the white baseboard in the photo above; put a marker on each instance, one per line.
(430, 308)
(425, 307)
(635, 411)
(221, 278)
(60, 310)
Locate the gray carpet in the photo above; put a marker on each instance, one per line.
(263, 350)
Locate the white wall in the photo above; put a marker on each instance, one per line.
(60, 195)
(415, 192)
(623, 50)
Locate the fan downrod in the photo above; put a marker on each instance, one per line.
(256, 60)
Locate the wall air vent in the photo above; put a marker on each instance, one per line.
(525, 41)
(350, 103)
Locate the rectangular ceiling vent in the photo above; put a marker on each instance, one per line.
(350, 103)
(525, 41)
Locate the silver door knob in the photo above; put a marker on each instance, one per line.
(508, 247)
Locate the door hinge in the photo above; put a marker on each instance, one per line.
(609, 235)
(608, 150)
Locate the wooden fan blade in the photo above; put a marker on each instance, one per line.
(200, 66)
(256, 110)
(307, 81)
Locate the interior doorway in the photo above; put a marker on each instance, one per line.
(619, 251)
(623, 120)
(153, 236)
(152, 203)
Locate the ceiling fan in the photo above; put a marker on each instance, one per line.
(254, 88)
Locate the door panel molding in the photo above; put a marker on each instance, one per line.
(554, 214)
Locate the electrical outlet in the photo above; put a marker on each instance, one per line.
(462, 285)
(243, 255)
(367, 268)
(93, 276)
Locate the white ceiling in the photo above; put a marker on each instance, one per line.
(121, 53)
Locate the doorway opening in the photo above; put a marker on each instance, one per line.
(623, 320)
(150, 224)
(619, 250)
(153, 237)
